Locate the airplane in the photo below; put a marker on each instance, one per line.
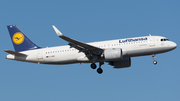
(117, 52)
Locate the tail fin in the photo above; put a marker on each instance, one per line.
(20, 41)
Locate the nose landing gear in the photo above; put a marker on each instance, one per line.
(154, 61)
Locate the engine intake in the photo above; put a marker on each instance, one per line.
(113, 54)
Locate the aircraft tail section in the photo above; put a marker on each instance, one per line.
(20, 41)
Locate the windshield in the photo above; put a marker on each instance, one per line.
(164, 39)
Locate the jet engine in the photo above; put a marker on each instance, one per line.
(113, 54)
(126, 62)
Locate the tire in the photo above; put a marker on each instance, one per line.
(93, 66)
(155, 62)
(99, 70)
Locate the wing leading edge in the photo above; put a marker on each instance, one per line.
(89, 50)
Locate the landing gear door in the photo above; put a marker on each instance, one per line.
(151, 41)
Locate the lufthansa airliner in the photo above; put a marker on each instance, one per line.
(117, 52)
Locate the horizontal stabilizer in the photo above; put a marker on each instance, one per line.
(15, 53)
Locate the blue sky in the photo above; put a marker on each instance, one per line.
(88, 21)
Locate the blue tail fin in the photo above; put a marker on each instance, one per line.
(20, 41)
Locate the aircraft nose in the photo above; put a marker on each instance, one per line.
(173, 45)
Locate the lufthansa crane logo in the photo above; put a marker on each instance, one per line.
(18, 38)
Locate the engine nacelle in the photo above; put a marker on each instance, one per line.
(113, 54)
(126, 62)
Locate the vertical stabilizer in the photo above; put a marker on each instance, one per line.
(20, 41)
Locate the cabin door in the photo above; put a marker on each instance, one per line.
(151, 41)
(40, 55)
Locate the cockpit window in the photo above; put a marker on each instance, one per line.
(164, 39)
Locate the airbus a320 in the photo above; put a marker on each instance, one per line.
(117, 52)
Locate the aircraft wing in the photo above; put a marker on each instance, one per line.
(82, 47)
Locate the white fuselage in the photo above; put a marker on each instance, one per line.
(131, 47)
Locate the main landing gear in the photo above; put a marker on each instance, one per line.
(93, 66)
(154, 61)
(99, 70)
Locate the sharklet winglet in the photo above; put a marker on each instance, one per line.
(57, 31)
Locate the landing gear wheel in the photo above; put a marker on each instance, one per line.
(93, 66)
(99, 70)
(155, 62)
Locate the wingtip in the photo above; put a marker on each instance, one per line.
(53, 26)
(57, 31)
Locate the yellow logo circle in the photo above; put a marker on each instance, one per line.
(18, 38)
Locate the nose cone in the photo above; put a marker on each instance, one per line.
(173, 45)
